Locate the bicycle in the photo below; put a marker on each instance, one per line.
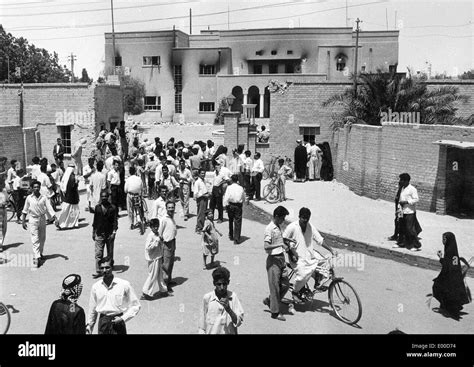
(139, 208)
(342, 296)
(10, 206)
(270, 168)
(5, 318)
(271, 191)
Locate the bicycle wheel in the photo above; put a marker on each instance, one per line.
(11, 209)
(271, 193)
(345, 302)
(4, 318)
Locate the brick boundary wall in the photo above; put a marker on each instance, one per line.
(370, 158)
(374, 155)
(44, 104)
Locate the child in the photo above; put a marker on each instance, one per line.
(210, 241)
(221, 312)
(283, 172)
(154, 256)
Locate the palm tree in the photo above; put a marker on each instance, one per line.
(379, 92)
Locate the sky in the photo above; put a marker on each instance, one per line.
(439, 33)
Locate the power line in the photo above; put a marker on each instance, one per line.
(45, 5)
(436, 35)
(94, 10)
(200, 25)
(195, 16)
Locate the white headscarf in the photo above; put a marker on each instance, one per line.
(65, 179)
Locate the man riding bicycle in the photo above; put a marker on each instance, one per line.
(133, 188)
(310, 262)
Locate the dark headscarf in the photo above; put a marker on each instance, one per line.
(451, 247)
(72, 288)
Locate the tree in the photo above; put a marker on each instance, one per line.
(467, 74)
(36, 65)
(379, 92)
(133, 95)
(85, 77)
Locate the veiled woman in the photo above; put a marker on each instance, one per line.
(449, 287)
(69, 217)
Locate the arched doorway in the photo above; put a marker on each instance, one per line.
(239, 99)
(254, 98)
(266, 103)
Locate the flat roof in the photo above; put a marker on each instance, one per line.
(456, 143)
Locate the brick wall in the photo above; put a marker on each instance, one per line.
(301, 104)
(369, 160)
(11, 144)
(46, 106)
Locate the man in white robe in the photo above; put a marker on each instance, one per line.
(302, 234)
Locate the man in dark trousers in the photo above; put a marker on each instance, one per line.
(234, 198)
(104, 228)
(58, 153)
(301, 160)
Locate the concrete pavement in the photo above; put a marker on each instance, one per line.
(364, 224)
(398, 289)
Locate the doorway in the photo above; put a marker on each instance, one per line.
(460, 182)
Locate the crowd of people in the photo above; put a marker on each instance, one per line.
(123, 166)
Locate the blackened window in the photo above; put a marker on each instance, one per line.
(151, 60)
(289, 68)
(206, 106)
(274, 52)
(259, 53)
(152, 103)
(392, 68)
(273, 68)
(118, 61)
(289, 52)
(309, 133)
(207, 69)
(257, 69)
(340, 64)
(178, 87)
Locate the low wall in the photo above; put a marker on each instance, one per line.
(368, 159)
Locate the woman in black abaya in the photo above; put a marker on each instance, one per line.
(449, 288)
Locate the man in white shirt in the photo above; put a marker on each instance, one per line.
(11, 173)
(35, 168)
(113, 180)
(247, 164)
(257, 171)
(277, 272)
(235, 163)
(201, 194)
(114, 300)
(217, 194)
(133, 186)
(409, 226)
(168, 231)
(158, 206)
(234, 198)
(36, 207)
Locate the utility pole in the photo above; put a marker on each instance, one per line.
(113, 34)
(347, 18)
(72, 58)
(386, 18)
(228, 16)
(355, 59)
(190, 21)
